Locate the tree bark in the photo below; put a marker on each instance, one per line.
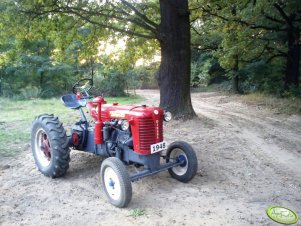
(235, 82)
(174, 73)
(235, 78)
(291, 79)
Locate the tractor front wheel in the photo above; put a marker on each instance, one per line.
(50, 146)
(116, 182)
(183, 152)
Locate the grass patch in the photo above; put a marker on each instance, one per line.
(16, 118)
(282, 105)
(136, 213)
(132, 99)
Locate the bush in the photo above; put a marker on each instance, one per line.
(6, 90)
(206, 70)
(111, 84)
(30, 92)
(260, 76)
(142, 78)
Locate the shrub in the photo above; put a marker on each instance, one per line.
(30, 92)
(6, 90)
(112, 84)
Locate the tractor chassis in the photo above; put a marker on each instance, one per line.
(127, 155)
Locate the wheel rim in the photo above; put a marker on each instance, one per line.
(179, 155)
(42, 148)
(112, 183)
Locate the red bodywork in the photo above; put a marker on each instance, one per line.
(146, 123)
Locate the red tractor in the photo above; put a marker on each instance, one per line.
(127, 135)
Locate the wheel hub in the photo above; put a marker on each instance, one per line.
(111, 183)
(182, 160)
(46, 146)
(180, 157)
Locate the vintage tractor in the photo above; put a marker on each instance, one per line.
(127, 135)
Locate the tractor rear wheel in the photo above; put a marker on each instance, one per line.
(182, 151)
(50, 146)
(116, 182)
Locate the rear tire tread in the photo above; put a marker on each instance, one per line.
(60, 153)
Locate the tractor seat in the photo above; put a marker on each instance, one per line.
(72, 102)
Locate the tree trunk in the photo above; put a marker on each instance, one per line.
(174, 73)
(235, 82)
(291, 79)
(235, 78)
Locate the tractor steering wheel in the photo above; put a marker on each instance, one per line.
(83, 86)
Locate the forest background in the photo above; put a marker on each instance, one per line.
(242, 46)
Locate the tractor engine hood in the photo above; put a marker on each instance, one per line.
(110, 111)
(146, 123)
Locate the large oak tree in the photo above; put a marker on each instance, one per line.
(167, 22)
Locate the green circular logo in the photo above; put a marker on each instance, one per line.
(282, 215)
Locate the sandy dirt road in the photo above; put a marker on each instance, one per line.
(249, 159)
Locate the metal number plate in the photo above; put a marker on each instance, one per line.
(158, 147)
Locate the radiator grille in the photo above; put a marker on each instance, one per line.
(150, 132)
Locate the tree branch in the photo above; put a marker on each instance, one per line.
(214, 14)
(195, 30)
(258, 56)
(112, 27)
(274, 56)
(99, 13)
(86, 16)
(274, 19)
(142, 16)
(282, 13)
(242, 22)
(279, 51)
(205, 49)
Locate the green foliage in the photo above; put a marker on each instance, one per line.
(111, 83)
(52, 52)
(136, 213)
(141, 77)
(200, 71)
(249, 39)
(30, 92)
(205, 70)
(259, 76)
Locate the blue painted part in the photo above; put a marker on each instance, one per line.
(111, 183)
(182, 159)
(149, 172)
(72, 102)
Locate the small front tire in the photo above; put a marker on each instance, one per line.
(182, 151)
(116, 182)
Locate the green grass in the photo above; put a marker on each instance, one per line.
(281, 105)
(16, 118)
(136, 213)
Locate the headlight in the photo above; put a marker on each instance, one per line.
(167, 116)
(124, 124)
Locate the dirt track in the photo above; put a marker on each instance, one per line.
(249, 159)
